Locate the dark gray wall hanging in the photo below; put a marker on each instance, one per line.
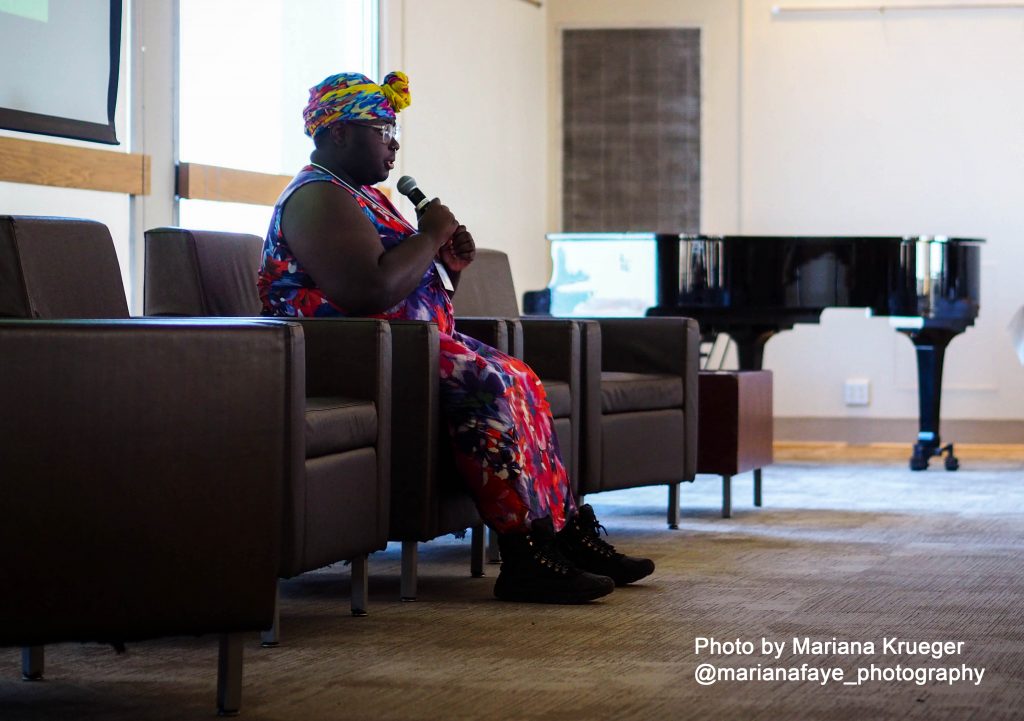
(631, 139)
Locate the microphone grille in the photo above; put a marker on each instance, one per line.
(406, 184)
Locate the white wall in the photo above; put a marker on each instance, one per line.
(900, 123)
(895, 124)
(475, 134)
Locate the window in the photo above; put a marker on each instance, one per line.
(246, 67)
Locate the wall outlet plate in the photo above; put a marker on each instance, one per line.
(857, 392)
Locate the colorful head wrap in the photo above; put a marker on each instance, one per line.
(353, 96)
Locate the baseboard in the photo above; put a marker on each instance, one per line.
(835, 452)
(862, 431)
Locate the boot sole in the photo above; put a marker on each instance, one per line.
(626, 581)
(568, 598)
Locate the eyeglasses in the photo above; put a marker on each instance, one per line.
(387, 132)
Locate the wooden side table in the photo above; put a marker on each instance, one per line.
(734, 427)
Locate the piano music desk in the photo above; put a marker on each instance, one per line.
(734, 427)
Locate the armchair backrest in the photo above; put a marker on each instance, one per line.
(55, 268)
(201, 273)
(485, 287)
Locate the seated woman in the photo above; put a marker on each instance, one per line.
(338, 247)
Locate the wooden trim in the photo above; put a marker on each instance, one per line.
(210, 182)
(880, 430)
(67, 166)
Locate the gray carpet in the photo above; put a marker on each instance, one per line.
(856, 552)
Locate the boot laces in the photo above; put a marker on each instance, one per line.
(591, 531)
(549, 557)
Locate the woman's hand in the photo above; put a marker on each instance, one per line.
(438, 222)
(458, 252)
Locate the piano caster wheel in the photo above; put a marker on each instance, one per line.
(919, 461)
(951, 461)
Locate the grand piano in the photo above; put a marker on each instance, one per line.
(752, 287)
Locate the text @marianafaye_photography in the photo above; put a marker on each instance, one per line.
(887, 660)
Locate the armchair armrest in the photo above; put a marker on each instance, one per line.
(414, 429)
(590, 410)
(492, 331)
(658, 345)
(348, 357)
(344, 356)
(143, 460)
(352, 357)
(552, 348)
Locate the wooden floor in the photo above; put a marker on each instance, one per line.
(840, 452)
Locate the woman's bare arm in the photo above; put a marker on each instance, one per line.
(339, 247)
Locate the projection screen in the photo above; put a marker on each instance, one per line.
(60, 61)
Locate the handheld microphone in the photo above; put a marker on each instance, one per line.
(407, 187)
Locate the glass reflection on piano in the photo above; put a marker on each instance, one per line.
(602, 274)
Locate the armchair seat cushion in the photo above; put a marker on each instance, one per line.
(629, 392)
(335, 425)
(559, 398)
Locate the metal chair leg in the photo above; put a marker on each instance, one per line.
(673, 506)
(726, 496)
(229, 674)
(410, 556)
(360, 585)
(32, 658)
(272, 636)
(757, 487)
(476, 560)
(493, 550)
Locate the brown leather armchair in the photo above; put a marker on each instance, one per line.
(200, 273)
(143, 462)
(638, 387)
(334, 506)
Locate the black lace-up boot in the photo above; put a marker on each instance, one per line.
(533, 570)
(580, 541)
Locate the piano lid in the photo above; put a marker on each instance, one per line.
(828, 239)
(603, 274)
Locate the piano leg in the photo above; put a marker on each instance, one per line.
(750, 346)
(930, 344)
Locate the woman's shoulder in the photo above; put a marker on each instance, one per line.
(314, 191)
(321, 184)
(309, 177)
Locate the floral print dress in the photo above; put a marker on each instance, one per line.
(495, 407)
